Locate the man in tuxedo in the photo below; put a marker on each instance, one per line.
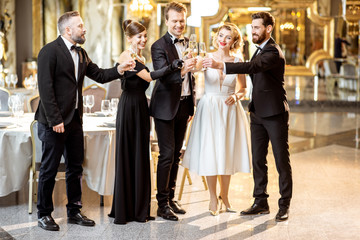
(61, 69)
(172, 104)
(269, 114)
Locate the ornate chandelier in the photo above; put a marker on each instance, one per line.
(141, 8)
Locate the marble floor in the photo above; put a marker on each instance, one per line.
(325, 157)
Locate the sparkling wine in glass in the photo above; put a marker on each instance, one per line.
(90, 101)
(133, 54)
(202, 52)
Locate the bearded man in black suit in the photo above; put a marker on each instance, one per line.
(269, 114)
(172, 104)
(62, 67)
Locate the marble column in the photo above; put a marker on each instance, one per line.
(96, 15)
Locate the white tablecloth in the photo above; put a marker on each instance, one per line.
(16, 154)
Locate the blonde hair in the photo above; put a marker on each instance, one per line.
(235, 34)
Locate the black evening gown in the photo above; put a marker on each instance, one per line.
(132, 190)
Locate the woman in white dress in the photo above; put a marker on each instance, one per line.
(219, 142)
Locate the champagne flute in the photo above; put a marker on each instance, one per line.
(114, 105)
(193, 38)
(202, 52)
(194, 51)
(85, 104)
(133, 54)
(14, 79)
(7, 81)
(90, 101)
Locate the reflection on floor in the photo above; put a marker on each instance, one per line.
(325, 158)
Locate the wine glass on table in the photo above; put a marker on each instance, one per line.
(85, 104)
(114, 105)
(14, 79)
(90, 101)
(105, 107)
(7, 81)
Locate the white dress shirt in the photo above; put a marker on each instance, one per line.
(75, 57)
(180, 48)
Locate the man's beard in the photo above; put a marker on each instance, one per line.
(261, 38)
(79, 40)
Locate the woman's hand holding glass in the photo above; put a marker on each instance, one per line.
(133, 55)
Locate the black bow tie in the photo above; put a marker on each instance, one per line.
(259, 48)
(77, 48)
(181, 40)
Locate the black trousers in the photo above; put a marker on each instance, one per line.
(275, 129)
(54, 145)
(170, 138)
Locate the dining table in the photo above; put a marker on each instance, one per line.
(16, 152)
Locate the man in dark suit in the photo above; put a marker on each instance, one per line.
(269, 114)
(61, 69)
(172, 104)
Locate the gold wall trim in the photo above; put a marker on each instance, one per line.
(37, 27)
(328, 45)
(309, 69)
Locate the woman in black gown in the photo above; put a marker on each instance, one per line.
(132, 190)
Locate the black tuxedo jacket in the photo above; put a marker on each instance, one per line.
(166, 94)
(267, 74)
(58, 85)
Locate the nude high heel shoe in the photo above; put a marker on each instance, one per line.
(214, 213)
(229, 209)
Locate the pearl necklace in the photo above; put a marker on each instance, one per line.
(140, 58)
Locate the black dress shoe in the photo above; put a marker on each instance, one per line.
(81, 220)
(256, 209)
(48, 223)
(167, 213)
(176, 207)
(282, 215)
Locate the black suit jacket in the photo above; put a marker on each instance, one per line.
(267, 74)
(166, 94)
(58, 85)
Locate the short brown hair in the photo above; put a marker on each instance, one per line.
(63, 20)
(267, 18)
(179, 7)
(131, 28)
(235, 33)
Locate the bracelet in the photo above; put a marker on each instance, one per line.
(235, 97)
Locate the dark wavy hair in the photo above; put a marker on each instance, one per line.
(267, 18)
(131, 28)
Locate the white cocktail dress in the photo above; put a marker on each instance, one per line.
(219, 141)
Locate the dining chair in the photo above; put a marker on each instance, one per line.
(99, 94)
(114, 90)
(36, 163)
(186, 173)
(33, 103)
(4, 97)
